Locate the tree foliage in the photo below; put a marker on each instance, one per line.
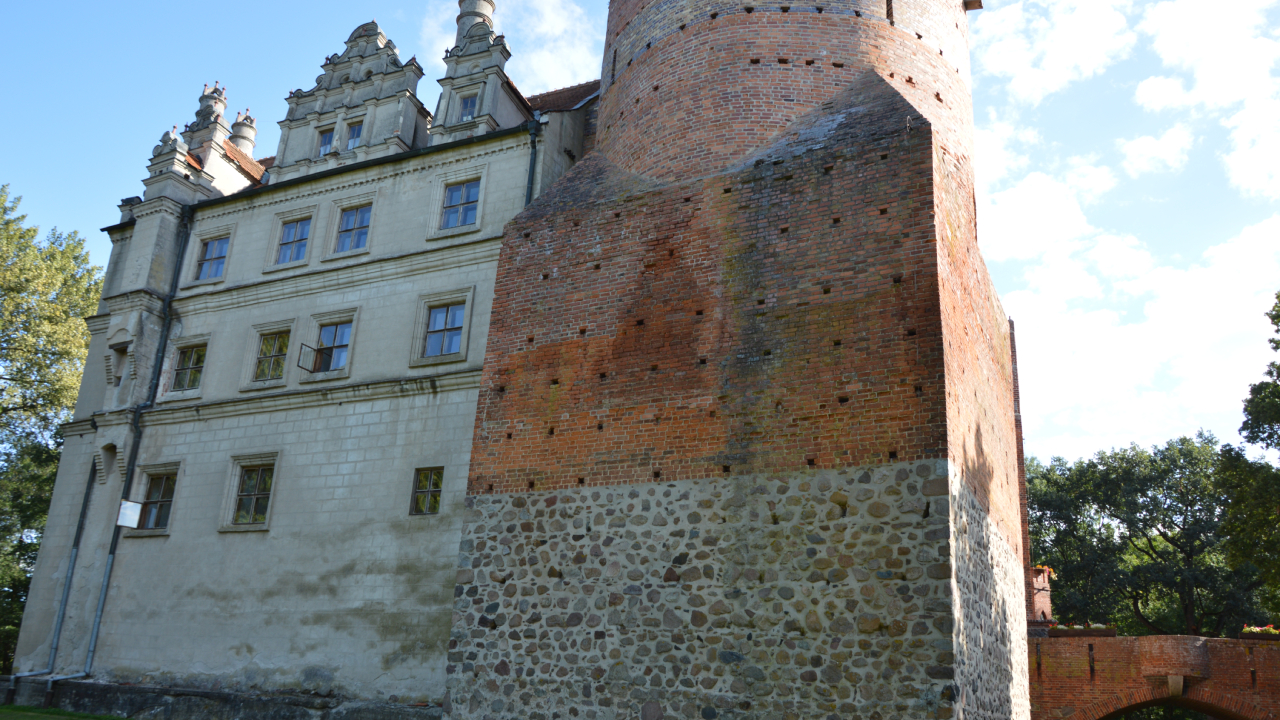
(1139, 538)
(1262, 407)
(47, 288)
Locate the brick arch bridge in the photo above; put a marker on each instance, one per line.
(1102, 678)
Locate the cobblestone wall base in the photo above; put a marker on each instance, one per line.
(821, 595)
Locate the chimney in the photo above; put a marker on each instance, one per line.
(244, 132)
(470, 13)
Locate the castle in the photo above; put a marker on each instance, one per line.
(680, 394)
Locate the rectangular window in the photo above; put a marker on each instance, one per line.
(335, 342)
(444, 330)
(353, 232)
(426, 491)
(271, 353)
(213, 258)
(468, 108)
(159, 499)
(186, 376)
(461, 203)
(326, 141)
(253, 496)
(353, 136)
(293, 242)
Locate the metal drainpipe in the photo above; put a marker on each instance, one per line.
(534, 128)
(12, 692)
(184, 234)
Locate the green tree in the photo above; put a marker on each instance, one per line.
(1138, 538)
(1251, 489)
(28, 467)
(47, 288)
(1262, 407)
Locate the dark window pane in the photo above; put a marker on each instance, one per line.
(360, 238)
(348, 220)
(363, 216)
(168, 488)
(473, 191)
(455, 316)
(260, 509)
(162, 516)
(264, 370)
(453, 195)
(420, 503)
(450, 218)
(289, 231)
(453, 342)
(468, 214)
(435, 344)
(438, 317)
(193, 379)
(264, 479)
(437, 477)
(434, 505)
(249, 482)
(326, 335)
(244, 511)
(304, 229)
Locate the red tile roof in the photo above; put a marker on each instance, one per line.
(194, 161)
(564, 98)
(247, 165)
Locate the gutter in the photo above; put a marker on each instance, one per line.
(534, 128)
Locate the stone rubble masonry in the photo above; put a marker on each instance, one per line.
(1091, 678)
(825, 593)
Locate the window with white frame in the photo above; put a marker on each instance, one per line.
(353, 135)
(461, 204)
(444, 330)
(213, 258)
(293, 241)
(353, 228)
(469, 105)
(326, 141)
(189, 368)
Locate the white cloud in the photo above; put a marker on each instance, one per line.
(1230, 57)
(1151, 154)
(554, 43)
(1089, 181)
(1042, 46)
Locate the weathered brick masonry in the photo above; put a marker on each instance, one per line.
(757, 309)
(1093, 678)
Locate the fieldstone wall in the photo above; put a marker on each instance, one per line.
(821, 595)
(991, 633)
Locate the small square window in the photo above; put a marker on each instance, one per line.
(353, 136)
(444, 330)
(253, 496)
(272, 350)
(213, 259)
(353, 231)
(293, 241)
(468, 108)
(158, 502)
(461, 204)
(186, 376)
(326, 142)
(426, 491)
(335, 342)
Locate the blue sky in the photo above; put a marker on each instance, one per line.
(1128, 160)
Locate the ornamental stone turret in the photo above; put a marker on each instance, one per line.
(476, 95)
(363, 106)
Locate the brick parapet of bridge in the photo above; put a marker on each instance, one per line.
(1094, 678)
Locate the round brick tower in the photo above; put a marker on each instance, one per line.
(745, 443)
(693, 86)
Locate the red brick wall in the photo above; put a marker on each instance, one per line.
(693, 103)
(1234, 678)
(778, 318)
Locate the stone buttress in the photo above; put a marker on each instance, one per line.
(745, 445)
